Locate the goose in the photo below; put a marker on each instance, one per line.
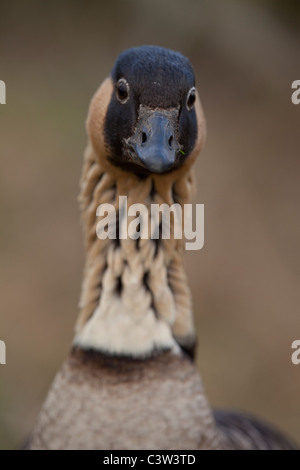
(129, 381)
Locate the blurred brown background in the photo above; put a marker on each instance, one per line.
(245, 281)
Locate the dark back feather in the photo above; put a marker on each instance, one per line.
(244, 432)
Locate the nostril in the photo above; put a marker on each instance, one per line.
(171, 141)
(144, 137)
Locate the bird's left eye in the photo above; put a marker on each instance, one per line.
(122, 90)
(191, 98)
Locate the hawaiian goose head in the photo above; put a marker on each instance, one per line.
(145, 129)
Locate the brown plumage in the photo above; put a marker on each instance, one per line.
(128, 383)
(102, 402)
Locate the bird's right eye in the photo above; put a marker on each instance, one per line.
(191, 98)
(122, 90)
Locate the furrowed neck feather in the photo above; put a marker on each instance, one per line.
(135, 297)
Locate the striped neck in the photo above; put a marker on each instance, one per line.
(135, 299)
